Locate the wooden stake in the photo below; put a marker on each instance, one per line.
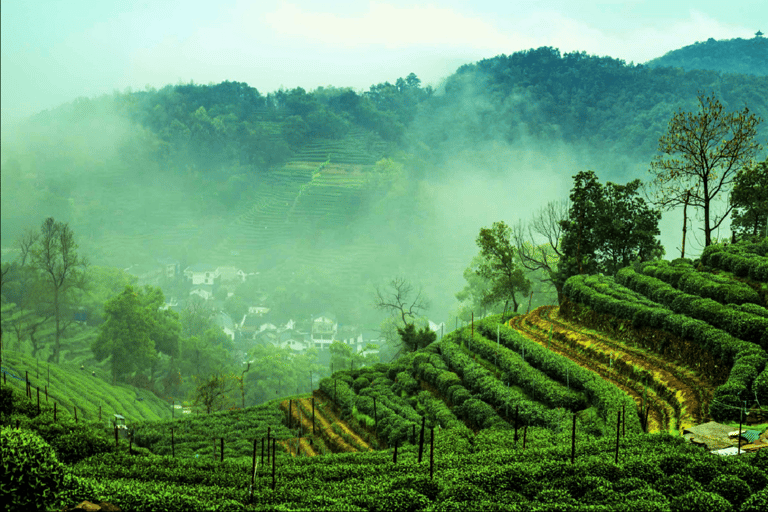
(115, 437)
(421, 437)
(394, 459)
(173, 445)
(253, 466)
(75, 408)
(274, 456)
(573, 440)
(432, 453)
(618, 432)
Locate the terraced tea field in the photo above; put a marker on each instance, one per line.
(676, 396)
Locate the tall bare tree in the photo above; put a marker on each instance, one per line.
(55, 256)
(400, 301)
(699, 157)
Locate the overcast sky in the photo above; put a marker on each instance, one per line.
(55, 51)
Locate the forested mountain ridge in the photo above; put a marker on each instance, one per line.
(222, 171)
(741, 56)
(599, 102)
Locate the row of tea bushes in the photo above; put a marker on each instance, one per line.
(682, 275)
(746, 359)
(743, 260)
(602, 395)
(739, 324)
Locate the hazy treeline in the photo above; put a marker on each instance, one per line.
(742, 56)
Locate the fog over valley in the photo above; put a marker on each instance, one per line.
(262, 211)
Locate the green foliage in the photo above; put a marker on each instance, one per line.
(740, 56)
(31, 475)
(608, 228)
(497, 265)
(135, 330)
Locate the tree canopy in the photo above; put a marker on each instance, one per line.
(699, 156)
(499, 265)
(608, 228)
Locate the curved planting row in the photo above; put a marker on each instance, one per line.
(602, 395)
(739, 324)
(327, 434)
(682, 275)
(743, 260)
(746, 359)
(604, 387)
(688, 393)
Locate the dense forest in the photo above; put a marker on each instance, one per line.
(737, 56)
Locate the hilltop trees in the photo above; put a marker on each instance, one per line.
(700, 155)
(546, 223)
(749, 199)
(498, 264)
(135, 330)
(608, 228)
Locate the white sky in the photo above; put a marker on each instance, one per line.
(55, 51)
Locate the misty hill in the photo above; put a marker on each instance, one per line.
(600, 103)
(741, 56)
(328, 192)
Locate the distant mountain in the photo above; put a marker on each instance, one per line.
(743, 56)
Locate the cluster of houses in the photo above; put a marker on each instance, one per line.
(255, 327)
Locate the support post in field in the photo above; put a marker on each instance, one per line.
(99, 413)
(173, 445)
(46, 393)
(313, 415)
(274, 456)
(413, 435)
(623, 420)
(394, 458)
(75, 408)
(573, 440)
(517, 420)
(618, 433)
(115, 436)
(739, 438)
(432, 453)
(421, 437)
(253, 467)
(269, 439)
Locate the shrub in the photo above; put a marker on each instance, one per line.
(701, 500)
(758, 502)
(31, 475)
(730, 487)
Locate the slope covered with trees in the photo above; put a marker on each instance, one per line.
(737, 56)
